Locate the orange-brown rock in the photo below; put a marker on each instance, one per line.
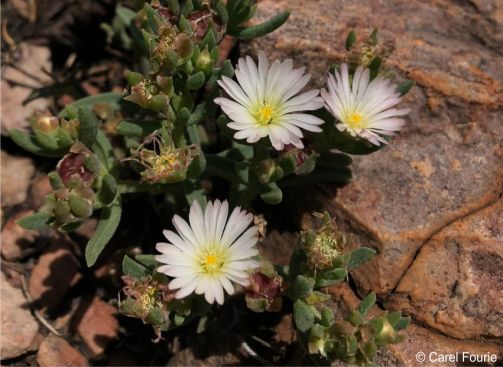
(15, 239)
(56, 351)
(16, 176)
(420, 342)
(96, 324)
(448, 160)
(404, 193)
(56, 271)
(40, 188)
(18, 328)
(18, 83)
(460, 269)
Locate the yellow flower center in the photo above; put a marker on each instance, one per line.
(165, 161)
(265, 114)
(355, 120)
(147, 299)
(212, 261)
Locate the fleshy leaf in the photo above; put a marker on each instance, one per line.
(109, 221)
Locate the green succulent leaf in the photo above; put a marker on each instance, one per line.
(367, 303)
(350, 40)
(374, 67)
(359, 256)
(108, 190)
(104, 151)
(30, 143)
(109, 221)
(137, 128)
(405, 87)
(134, 268)
(88, 126)
(402, 324)
(327, 317)
(125, 14)
(303, 315)
(196, 81)
(147, 260)
(373, 37)
(264, 28)
(46, 140)
(112, 98)
(272, 194)
(302, 286)
(34, 222)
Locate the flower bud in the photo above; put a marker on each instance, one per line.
(318, 338)
(302, 160)
(204, 62)
(385, 333)
(265, 170)
(183, 46)
(153, 94)
(72, 127)
(44, 121)
(264, 291)
(79, 167)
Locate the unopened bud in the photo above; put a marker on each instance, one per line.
(44, 121)
(264, 292)
(79, 167)
(204, 62)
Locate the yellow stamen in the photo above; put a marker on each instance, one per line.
(265, 114)
(212, 262)
(355, 120)
(165, 161)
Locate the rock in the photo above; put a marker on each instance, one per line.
(19, 82)
(419, 340)
(16, 176)
(18, 327)
(15, 239)
(40, 188)
(277, 247)
(448, 160)
(56, 271)
(56, 351)
(96, 325)
(461, 272)
(404, 193)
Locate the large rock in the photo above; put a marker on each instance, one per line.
(403, 194)
(56, 351)
(16, 176)
(419, 342)
(18, 327)
(32, 65)
(448, 161)
(96, 324)
(15, 239)
(56, 271)
(461, 278)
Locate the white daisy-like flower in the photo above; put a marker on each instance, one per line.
(364, 107)
(265, 102)
(210, 252)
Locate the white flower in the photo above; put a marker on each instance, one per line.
(363, 108)
(209, 252)
(265, 102)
